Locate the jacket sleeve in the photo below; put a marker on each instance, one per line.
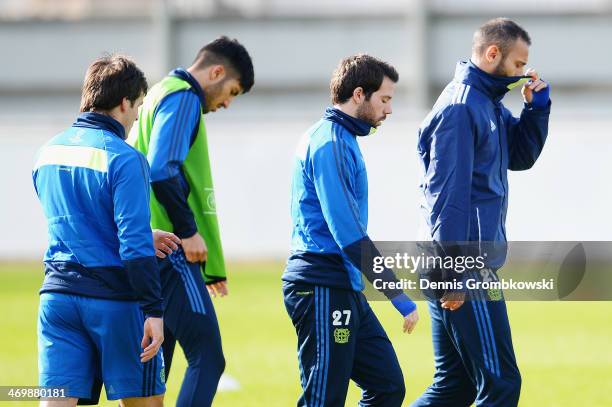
(174, 126)
(526, 135)
(129, 181)
(449, 174)
(333, 174)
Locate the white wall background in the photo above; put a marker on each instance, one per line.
(564, 197)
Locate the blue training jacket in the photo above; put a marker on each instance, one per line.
(175, 127)
(329, 210)
(466, 146)
(94, 190)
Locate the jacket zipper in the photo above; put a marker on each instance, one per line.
(479, 232)
(501, 169)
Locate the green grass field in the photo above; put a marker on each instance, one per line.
(563, 348)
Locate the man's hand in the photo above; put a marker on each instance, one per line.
(165, 243)
(410, 321)
(220, 288)
(453, 300)
(152, 339)
(535, 85)
(195, 249)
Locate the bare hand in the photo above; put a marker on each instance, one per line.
(453, 300)
(165, 243)
(152, 339)
(410, 321)
(195, 249)
(535, 85)
(220, 288)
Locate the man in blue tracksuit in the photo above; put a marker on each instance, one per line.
(172, 134)
(100, 315)
(339, 337)
(467, 144)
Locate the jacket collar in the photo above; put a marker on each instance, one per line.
(495, 87)
(93, 120)
(354, 125)
(187, 77)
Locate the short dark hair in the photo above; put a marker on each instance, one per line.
(229, 53)
(502, 32)
(108, 80)
(362, 71)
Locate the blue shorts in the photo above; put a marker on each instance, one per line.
(86, 342)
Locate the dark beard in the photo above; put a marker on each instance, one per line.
(499, 70)
(366, 113)
(211, 93)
